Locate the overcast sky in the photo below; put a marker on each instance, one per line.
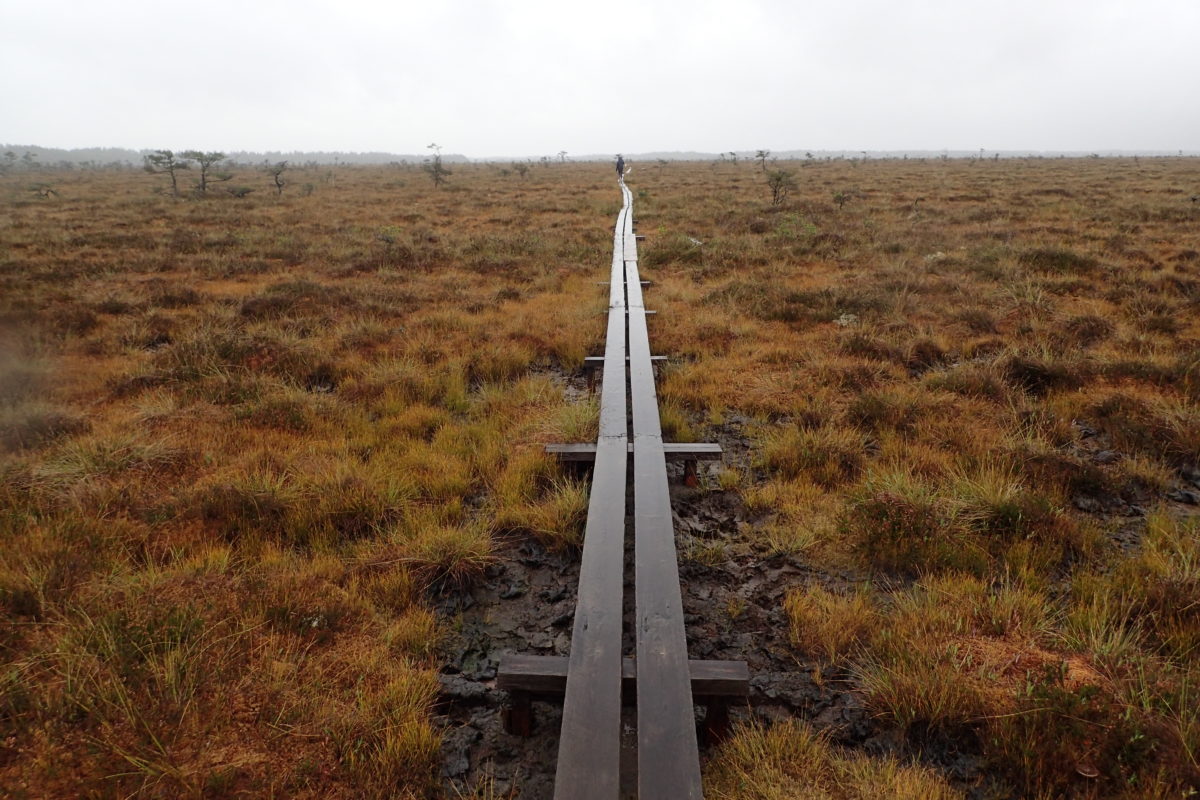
(510, 78)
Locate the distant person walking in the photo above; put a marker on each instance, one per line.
(620, 165)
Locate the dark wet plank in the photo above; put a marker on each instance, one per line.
(547, 675)
(589, 749)
(668, 756)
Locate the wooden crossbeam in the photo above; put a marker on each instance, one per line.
(547, 675)
(673, 451)
(595, 362)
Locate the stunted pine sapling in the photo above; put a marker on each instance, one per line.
(781, 182)
(207, 161)
(276, 172)
(437, 171)
(165, 162)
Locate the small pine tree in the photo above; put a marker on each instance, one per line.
(165, 162)
(276, 172)
(207, 161)
(781, 182)
(437, 171)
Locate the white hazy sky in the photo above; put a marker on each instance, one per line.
(495, 78)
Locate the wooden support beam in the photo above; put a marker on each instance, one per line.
(595, 362)
(518, 714)
(547, 675)
(674, 451)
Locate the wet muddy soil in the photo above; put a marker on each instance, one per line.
(733, 609)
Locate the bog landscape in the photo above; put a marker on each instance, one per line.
(275, 499)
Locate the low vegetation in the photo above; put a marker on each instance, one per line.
(246, 443)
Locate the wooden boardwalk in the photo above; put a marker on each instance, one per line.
(666, 685)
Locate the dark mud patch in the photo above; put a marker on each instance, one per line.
(733, 610)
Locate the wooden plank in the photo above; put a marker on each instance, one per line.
(672, 451)
(589, 754)
(668, 755)
(589, 746)
(547, 675)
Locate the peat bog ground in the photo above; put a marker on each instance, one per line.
(273, 497)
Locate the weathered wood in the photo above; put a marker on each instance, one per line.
(589, 745)
(690, 478)
(672, 451)
(547, 675)
(518, 714)
(668, 755)
(594, 677)
(716, 720)
(595, 362)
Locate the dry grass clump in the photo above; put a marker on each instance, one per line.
(827, 456)
(828, 625)
(445, 554)
(533, 498)
(969, 519)
(1157, 427)
(793, 516)
(790, 760)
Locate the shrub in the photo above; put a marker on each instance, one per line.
(1088, 329)
(897, 522)
(1156, 428)
(1057, 260)
(1062, 732)
(1039, 374)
